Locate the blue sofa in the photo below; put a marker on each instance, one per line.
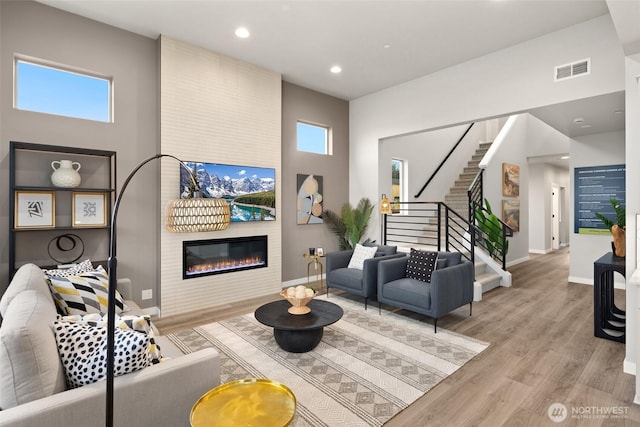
(451, 286)
(363, 282)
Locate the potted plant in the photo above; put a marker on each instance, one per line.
(491, 228)
(351, 224)
(617, 226)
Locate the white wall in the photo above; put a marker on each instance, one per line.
(218, 110)
(593, 150)
(632, 153)
(511, 80)
(545, 141)
(423, 152)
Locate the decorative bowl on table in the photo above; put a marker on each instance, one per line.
(299, 297)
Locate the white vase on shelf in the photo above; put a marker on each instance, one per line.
(65, 173)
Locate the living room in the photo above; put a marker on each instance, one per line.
(158, 109)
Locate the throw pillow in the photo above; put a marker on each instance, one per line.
(421, 264)
(83, 352)
(85, 293)
(74, 270)
(360, 254)
(382, 250)
(132, 322)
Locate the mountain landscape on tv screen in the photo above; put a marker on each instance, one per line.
(249, 190)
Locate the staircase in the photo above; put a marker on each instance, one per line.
(458, 200)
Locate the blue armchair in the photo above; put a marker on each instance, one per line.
(355, 281)
(451, 286)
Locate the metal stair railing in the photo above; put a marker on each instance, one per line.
(430, 225)
(419, 193)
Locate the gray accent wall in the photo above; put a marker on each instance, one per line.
(32, 29)
(301, 104)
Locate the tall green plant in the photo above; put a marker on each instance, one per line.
(491, 228)
(351, 225)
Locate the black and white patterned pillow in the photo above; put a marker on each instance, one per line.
(85, 293)
(83, 352)
(141, 323)
(74, 270)
(421, 264)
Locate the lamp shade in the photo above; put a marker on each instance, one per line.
(385, 206)
(195, 215)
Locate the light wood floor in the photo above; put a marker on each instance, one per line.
(542, 351)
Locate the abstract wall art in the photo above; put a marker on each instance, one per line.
(309, 199)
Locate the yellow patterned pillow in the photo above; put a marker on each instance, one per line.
(84, 293)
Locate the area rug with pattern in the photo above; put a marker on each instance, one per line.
(367, 368)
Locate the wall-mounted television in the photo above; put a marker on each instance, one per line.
(250, 191)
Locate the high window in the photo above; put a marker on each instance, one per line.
(313, 138)
(57, 90)
(398, 187)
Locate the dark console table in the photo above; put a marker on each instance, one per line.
(298, 333)
(609, 320)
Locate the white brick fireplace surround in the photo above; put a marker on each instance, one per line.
(216, 109)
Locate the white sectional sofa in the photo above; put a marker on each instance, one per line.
(33, 390)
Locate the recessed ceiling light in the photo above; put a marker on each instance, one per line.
(336, 69)
(578, 120)
(585, 126)
(564, 158)
(619, 112)
(242, 32)
(387, 46)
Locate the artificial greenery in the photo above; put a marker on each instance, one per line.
(351, 224)
(491, 227)
(620, 213)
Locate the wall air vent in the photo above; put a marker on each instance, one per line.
(575, 69)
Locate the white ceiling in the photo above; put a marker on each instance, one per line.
(303, 39)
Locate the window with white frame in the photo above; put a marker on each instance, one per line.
(398, 186)
(313, 138)
(53, 89)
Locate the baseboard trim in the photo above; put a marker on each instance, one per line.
(152, 311)
(629, 367)
(581, 280)
(540, 251)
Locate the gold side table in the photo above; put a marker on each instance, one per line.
(248, 402)
(317, 265)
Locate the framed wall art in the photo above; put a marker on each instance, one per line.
(89, 209)
(309, 200)
(35, 209)
(511, 214)
(510, 180)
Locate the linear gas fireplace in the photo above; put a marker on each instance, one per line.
(216, 256)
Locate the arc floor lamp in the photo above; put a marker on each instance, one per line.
(182, 215)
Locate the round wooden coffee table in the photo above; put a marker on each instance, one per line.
(298, 333)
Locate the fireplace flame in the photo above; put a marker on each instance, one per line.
(224, 264)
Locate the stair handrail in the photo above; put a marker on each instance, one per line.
(443, 161)
(475, 193)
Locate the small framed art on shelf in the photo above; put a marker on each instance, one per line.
(35, 209)
(89, 209)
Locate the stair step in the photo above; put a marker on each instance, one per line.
(489, 280)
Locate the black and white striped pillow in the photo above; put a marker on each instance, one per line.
(85, 293)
